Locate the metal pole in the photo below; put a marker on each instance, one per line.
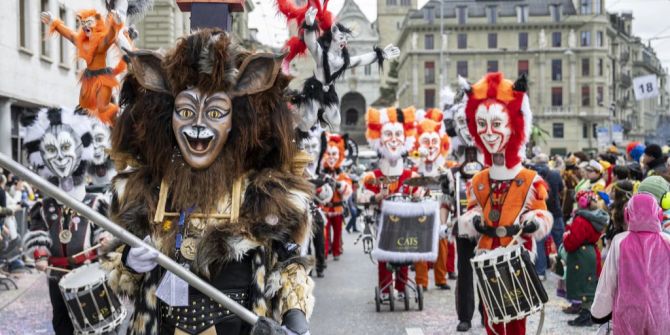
(441, 47)
(128, 238)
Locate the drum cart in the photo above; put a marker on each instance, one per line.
(412, 290)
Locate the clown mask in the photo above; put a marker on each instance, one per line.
(462, 128)
(61, 150)
(331, 158)
(101, 142)
(429, 146)
(393, 140)
(201, 124)
(493, 126)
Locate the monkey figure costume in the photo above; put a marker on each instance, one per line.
(433, 146)
(333, 155)
(93, 39)
(506, 197)
(58, 143)
(390, 131)
(207, 140)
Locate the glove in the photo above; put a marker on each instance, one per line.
(477, 223)
(444, 231)
(141, 259)
(267, 326)
(530, 227)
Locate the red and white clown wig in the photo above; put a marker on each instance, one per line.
(499, 117)
(334, 151)
(391, 131)
(432, 141)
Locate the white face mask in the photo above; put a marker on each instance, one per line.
(312, 145)
(493, 126)
(393, 140)
(332, 156)
(101, 142)
(61, 150)
(462, 127)
(429, 145)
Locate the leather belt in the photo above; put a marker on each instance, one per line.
(500, 231)
(202, 312)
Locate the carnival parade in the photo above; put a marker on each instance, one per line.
(296, 167)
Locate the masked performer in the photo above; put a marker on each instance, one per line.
(58, 143)
(101, 170)
(93, 39)
(208, 140)
(323, 195)
(332, 158)
(129, 11)
(433, 147)
(327, 43)
(390, 131)
(506, 198)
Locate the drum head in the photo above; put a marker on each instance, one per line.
(82, 276)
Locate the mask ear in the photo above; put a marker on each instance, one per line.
(334, 29)
(147, 69)
(257, 73)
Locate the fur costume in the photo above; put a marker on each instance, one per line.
(505, 198)
(93, 39)
(274, 211)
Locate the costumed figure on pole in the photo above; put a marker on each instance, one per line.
(130, 12)
(322, 195)
(94, 37)
(326, 42)
(507, 210)
(58, 143)
(206, 146)
(433, 147)
(332, 156)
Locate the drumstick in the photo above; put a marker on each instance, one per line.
(57, 269)
(87, 250)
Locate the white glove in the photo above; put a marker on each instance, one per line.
(391, 51)
(46, 17)
(444, 231)
(142, 259)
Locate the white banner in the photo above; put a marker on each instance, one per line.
(645, 87)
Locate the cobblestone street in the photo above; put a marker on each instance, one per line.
(345, 305)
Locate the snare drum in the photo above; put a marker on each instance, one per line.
(508, 284)
(93, 307)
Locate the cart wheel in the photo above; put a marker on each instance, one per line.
(378, 301)
(407, 293)
(419, 297)
(391, 298)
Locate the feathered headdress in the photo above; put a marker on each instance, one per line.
(375, 119)
(494, 87)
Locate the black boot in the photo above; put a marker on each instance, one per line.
(583, 320)
(463, 326)
(572, 309)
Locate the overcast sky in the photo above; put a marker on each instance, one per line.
(651, 20)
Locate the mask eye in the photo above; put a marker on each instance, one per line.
(66, 147)
(481, 123)
(185, 113)
(50, 149)
(497, 124)
(215, 114)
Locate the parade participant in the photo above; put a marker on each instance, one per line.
(206, 142)
(592, 179)
(583, 263)
(58, 143)
(433, 147)
(634, 288)
(622, 191)
(506, 198)
(101, 170)
(571, 176)
(390, 132)
(326, 42)
(333, 153)
(130, 11)
(93, 39)
(660, 189)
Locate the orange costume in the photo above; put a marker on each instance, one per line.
(93, 39)
(506, 198)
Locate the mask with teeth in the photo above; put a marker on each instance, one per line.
(61, 150)
(201, 124)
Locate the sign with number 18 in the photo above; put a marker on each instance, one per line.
(645, 87)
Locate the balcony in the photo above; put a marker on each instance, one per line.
(584, 113)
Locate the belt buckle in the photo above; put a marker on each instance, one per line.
(501, 231)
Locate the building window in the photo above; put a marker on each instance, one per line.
(492, 66)
(429, 72)
(586, 67)
(586, 38)
(523, 41)
(586, 7)
(586, 96)
(556, 39)
(595, 130)
(585, 131)
(405, 3)
(62, 54)
(462, 68)
(557, 96)
(493, 40)
(23, 23)
(522, 67)
(429, 14)
(429, 41)
(555, 12)
(462, 13)
(367, 70)
(391, 2)
(522, 14)
(429, 97)
(556, 70)
(462, 41)
(557, 130)
(600, 95)
(492, 14)
(600, 39)
(44, 31)
(597, 7)
(600, 67)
